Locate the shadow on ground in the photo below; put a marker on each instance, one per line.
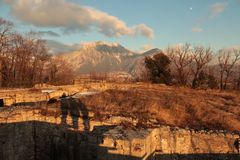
(36, 140)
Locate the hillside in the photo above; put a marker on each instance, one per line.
(105, 57)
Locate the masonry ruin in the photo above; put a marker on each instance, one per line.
(67, 130)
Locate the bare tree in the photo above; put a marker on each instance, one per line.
(22, 57)
(98, 76)
(181, 58)
(5, 34)
(28, 56)
(38, 61)
(236, 78)
(201, 57)
(59, 72)
(226, 61)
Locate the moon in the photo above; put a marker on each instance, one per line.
(190, 8)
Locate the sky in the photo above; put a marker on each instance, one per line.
(138, 25)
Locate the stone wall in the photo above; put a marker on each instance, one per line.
(49, 132)
(16, 96)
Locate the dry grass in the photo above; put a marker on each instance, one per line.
(180, 107)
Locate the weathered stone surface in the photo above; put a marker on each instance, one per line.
(39, 93)
(67, 131)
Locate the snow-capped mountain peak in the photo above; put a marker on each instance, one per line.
(104, 57)
(105, 47)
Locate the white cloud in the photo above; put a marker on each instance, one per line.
(217, 9)
(48, 33)
(55, 47)
(197, 29)
(144, 30)
(214, 10)
(72, 17)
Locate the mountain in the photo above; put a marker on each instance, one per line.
(151, 52)
(105, 57)
(139, 66)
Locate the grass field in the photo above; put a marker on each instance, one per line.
(181, 107)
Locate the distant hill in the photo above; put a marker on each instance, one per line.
(106, 57)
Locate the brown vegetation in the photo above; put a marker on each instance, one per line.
(193, 66)
(170, 106)
(227, 60)
(59, 72)
(24, 59)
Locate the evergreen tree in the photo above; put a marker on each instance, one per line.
(158, 67)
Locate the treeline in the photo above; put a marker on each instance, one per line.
(24, 60)
(195, 67)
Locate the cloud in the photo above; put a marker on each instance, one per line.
(214, 10)
(48, 33)
(197, 29)
(217, 9)
(55, 47)
(73, 17)
(144, 30)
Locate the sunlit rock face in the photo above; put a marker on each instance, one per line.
(67, 130)
(106, 57)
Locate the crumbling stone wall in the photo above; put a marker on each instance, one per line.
(35, 94)
(38, 132)
(16, 142)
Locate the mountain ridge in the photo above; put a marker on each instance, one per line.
(105, 57)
